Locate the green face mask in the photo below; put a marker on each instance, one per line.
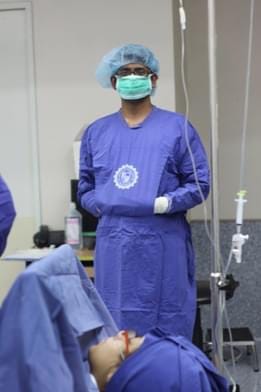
(134, 86)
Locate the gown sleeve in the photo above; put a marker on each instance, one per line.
(187, 195)
(86, 185)
(7, 214)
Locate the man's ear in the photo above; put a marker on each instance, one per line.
(113, 82)
(154, 79)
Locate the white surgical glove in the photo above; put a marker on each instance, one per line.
(161, 205)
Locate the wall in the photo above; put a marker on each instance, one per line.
(232, 24)
(70, 37)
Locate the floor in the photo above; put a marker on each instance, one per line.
(243, 373)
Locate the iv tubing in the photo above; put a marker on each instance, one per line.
(243, 142)
(185, 90)
(216, 312)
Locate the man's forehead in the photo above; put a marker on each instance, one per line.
(132, 65)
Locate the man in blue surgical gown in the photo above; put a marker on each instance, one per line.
(7, 213)
(141, 169)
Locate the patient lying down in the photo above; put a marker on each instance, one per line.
(156, 362)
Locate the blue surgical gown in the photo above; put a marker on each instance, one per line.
(144, 263)
(7, 214)
(166, 363)
(49, 319)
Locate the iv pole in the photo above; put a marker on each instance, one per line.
(216, 294)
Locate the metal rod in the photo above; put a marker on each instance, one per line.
(216, 300)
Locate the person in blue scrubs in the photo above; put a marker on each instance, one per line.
(156, 362)
(141, 169)
(7, 213)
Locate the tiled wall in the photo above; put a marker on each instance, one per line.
(244, 308)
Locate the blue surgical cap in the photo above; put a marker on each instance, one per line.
(118, 57)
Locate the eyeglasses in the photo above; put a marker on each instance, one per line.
(140, 71)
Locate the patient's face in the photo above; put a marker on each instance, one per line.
(106, 357)
(108, 352)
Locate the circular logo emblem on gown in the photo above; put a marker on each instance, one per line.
(125, 177)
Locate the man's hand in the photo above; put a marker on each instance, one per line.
(161, 205)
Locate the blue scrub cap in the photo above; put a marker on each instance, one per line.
(118, 57)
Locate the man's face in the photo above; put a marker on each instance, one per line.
(136, 69)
